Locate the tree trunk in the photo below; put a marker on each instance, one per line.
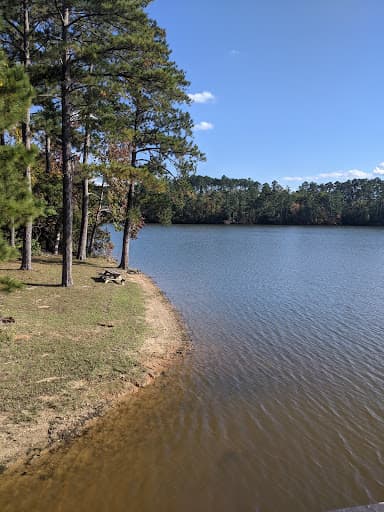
(57, 242)
(66, 153)
(26, 260)
(82, 249)
(97, 220)
(47, 153)
(124, 262)
(13, 233)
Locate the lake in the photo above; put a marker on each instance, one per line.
(280, 405)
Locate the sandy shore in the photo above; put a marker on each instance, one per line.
(169, 338)
(165, 341)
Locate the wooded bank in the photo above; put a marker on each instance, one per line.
(88, 91)
(202, 199)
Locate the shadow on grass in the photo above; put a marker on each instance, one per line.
(43, 285)
(97, 264)
(48, 260)
(54, 260)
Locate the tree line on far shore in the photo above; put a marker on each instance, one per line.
(206, 200)
(92, 107)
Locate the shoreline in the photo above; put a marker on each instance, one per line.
(165, 341)
(170, 337)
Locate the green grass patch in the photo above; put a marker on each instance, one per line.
(68, 346)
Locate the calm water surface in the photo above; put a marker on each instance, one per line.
(280, 407)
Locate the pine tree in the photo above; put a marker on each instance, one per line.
(160, 130)
(86, 33)
(102, 66)
(18, 34)
(16, 202)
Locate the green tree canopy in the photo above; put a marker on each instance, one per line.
(16, 202)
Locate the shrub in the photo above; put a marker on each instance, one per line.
(9, 284)
(36, 248)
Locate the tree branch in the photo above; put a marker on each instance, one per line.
(14, 26)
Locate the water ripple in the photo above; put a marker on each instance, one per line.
(280, 405)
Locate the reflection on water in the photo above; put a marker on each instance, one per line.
(279, 407)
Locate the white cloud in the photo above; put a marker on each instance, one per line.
(338, 175)
(379, 169)
(356, 173)
(325, 175)
(350, 174)
(203, 126)
(234, 52)
(201, 97)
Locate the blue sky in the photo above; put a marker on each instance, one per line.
(296, 87)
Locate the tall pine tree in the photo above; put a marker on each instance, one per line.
(16, 202)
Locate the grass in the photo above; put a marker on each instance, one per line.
(67, 347)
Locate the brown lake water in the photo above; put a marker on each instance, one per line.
(280, 406)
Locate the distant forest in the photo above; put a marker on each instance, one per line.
(205, 200)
